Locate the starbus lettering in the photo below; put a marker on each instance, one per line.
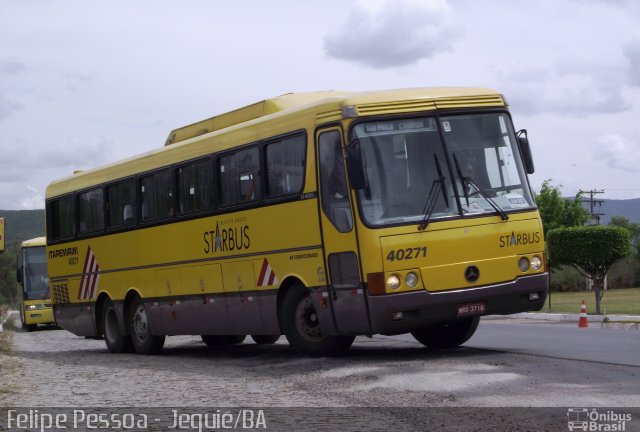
(519, 239)
(59, 253)
(229, 239)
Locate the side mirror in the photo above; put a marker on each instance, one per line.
(19, 275)
(354, 165)
(525, 151)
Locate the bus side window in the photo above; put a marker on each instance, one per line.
(239, 177)
(247, 187)
(156, 196)
(146, 196)
(60, 217)
(120, 203)
(127, 214)
(248, 169)
(333, 185)
(195, 187)
(90, 211)
(285, 166)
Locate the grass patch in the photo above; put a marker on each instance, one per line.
(6, 342)
(616, 302)
(8, 365)
(6, 336)
(622, 322)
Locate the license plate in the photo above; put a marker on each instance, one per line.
(467, 309)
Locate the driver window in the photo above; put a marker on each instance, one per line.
(333, 185)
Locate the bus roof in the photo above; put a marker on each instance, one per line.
(249, 112)
(293, 101)
(193, 140)
(34, 242)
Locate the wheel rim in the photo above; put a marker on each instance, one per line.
(140, 323)
(111, 330)
(307, 321)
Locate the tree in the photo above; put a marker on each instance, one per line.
(634, 232)
(592, 250)
(633, 228)
(557, 211)
(8, 286)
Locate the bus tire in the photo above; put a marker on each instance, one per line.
(214, 341)
(447, 335)
(265, 339)
(26, 327)
(236, 339)
(300, 325)
(116, 341)
(143, 340)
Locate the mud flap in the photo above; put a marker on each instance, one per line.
(347, 295)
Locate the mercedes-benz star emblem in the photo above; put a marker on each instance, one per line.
(472, 274)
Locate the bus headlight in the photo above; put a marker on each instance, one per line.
(29, 307)
(411, 280)
(393, 282)
(536, 263)
(523, 264)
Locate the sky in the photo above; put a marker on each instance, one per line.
(84, 83)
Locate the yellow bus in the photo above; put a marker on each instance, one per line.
(35, 307)
(320, 216)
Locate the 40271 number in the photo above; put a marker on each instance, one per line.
(407, 253)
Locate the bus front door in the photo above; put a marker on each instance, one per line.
(346, 294)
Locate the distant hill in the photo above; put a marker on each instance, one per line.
(627, 208)
(22, 225)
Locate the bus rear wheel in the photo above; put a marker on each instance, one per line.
(447, 335)
(140, 328)
(300, 324)
(117, 342)
(214, 341)
(265, 339)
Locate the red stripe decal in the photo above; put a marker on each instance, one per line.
(91, 277)
(263, 271)
(84, 271)
(94, 282)
(272, 277)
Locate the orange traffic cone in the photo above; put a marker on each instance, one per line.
(583, 322)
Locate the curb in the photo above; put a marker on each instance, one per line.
(569, 317)
(613, 321)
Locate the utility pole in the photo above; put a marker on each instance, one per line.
(595, 217)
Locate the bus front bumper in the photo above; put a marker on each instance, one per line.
(402, 313)
(39, 316)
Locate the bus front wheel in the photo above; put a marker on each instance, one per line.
(447, 335)
(300, 324)
(117, 342)
(139, 326)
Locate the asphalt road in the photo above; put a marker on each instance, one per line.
(509, 376)
(601, 345)
(556, 340)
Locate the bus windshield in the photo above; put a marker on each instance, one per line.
(36, 281)
(403, 158)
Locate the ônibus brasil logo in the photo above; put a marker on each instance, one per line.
(594, 420)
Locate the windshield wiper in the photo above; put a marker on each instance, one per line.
(436, 186)
(467, 181)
